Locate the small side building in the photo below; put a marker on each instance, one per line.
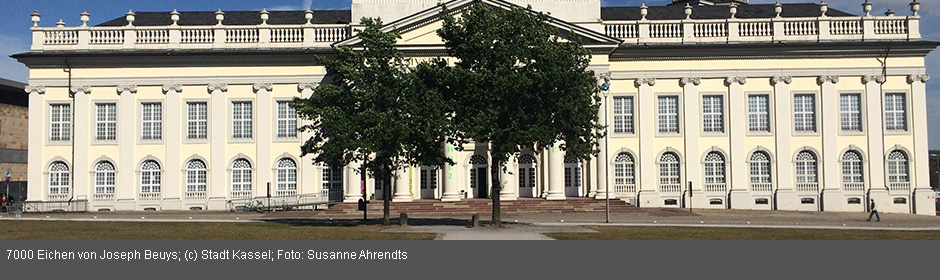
(14, 110)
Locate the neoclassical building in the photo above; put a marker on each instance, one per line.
(711, 104)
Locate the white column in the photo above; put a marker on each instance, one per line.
(876, 149)
(692, 127)
(923, 197)
(307, 183)
(402, 185)
(172, 136)
(218, 135)
(556, 174)
(831, 171)
(785, 197)
(266, 131)
(127, 136)
(353, 182)
(36, 135)
(737, 157)
(646, 125)
(510, 180)
(82, 128)
(449, 181)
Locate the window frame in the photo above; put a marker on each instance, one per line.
(97, 122)
(249, 122)
(107, 175)
(201, 176)
(150, 183)
(289, 185)
(719, 170)
(722, 115)
(816, 116)
(632, 115)
(186, 121)
(140, 127)
(276, 122)
(65, 126)
(797, 169)
(907, 112)
(862, 118)
(770, 114)
(240, 173)
(679, 115)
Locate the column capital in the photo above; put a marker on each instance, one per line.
(827, 78)
(126, 88)
(35, 89)
(777, 79)
(83, 89)
(222, 87)
(876, 78)
(923, 78)
(690, 80)
(644, 81)
(735, 79)
(174, 87)
(303, 86)
(259, 86)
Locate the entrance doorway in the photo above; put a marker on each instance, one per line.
(526, 176)
(572, 176)
(378, 186)
(429, 182)
(478, 177)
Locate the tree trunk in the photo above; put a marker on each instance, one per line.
(497, 187)
(386, 196)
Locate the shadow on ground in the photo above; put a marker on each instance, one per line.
(394, 222)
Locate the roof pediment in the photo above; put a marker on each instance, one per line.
(418, 30)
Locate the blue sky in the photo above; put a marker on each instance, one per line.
(15, 36)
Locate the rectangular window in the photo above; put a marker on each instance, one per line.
(286, 120)
(151, 127)
(241, 120)
(712, 113)
(804, 112)
(106, 121)
(668, 114)
(895, 112)
(197, 120)
(60, 122)
(623, 115)
(851, 112)
(758, 113)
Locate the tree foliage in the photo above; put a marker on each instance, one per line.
(519, 83)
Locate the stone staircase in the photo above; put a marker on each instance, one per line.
(478, 205)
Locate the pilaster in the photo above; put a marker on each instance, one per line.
(449, 181)
(172, 136)
(923, 197)
(830, 172)
(692, 134)
(218, 135)
(737, 168)
(353, 183)
(82, 129)
(876, 150)
(556, 173)
(646, 129)
(784, 194)
(307, 181)
(265, 132)
(402, 185)
(127, 136)
(602, 184)
(35, 164)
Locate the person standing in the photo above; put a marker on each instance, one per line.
(874, 212)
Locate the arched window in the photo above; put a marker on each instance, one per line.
(670, 180)
(59, 180)
(241, 178)
(806, 172)
(714, 168)
(150, 178)
(286, 177)
(760, 171)
(196, 176)
(624, 174)
(104, 178)
(852, 167)
(898, 167)
(527, 175)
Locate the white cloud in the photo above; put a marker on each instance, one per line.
(284, 8)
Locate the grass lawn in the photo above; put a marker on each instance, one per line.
(704, 233)
(68, 230)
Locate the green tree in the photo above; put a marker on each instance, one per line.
(519, 83)
(374, 110)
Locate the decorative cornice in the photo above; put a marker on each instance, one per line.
(36, 89)
(923, 78)
(777, 79)
(302, 86)
(876, 78)
(126, 88)
(685, 81)
(221, 87)
(258, 86)
(741, 80)
(644, 81)
(827, 78)
(83, 89)
(178, 88)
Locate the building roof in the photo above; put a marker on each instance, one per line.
(344, 16)
(233, 18)
(717, 12)
(12, 93)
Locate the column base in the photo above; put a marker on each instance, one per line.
(508, 196)
(352, 198)
(555, 196)
(924, 201)
(451, 197)
(786, 200)
(402, 198)
(604, 195)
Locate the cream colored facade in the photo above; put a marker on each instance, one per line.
(639, 59)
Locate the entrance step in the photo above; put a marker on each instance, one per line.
(480, 205)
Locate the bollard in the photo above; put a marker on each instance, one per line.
(403, 219)
(475, 221)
